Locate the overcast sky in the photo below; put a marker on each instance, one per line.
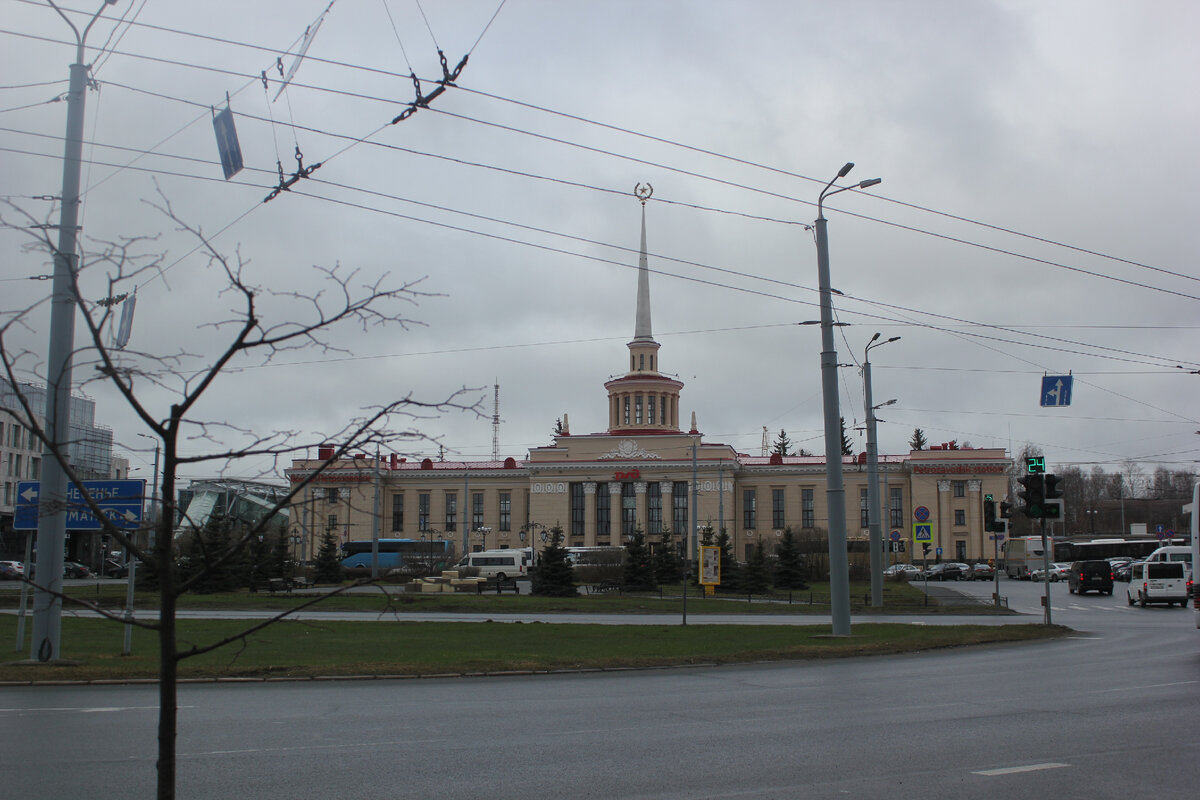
(1038, 211)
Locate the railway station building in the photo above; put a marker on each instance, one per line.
(640, 473)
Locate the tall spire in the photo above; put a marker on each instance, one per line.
(643, 400)
(642, 331)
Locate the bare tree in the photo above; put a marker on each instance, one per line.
(295, 321)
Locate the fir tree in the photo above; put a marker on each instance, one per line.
(200, 553)
(554, 576)
(755, 578)
(729, 566)
(847, 445)
(783, 445)
(789, 565)
(638, 574)
(667, 560)
(918, 440)
(329, 563)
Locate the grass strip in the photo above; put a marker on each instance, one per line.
(304, 649)
(898, 598)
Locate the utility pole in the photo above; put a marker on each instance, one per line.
(873, 512)
(835, 490)
(52, 500)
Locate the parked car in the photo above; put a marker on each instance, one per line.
(907, 570)
(73, 569)
(982, 572)
(11, 570)
(114, 569)
(1085, 576)
(947, 571)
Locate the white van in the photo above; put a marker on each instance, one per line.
(1158, 582)
(508, 563)
(1174, 553)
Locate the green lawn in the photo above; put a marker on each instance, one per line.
(314, 649)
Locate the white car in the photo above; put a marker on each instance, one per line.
(1058, 572)
(907, 570)
(11, 570)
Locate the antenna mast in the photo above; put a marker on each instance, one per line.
(764, 444)
(496, 422)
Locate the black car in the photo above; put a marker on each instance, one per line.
(944, 572)
(1085, 576)
(1122, 572)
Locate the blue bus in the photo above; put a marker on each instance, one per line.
(395, 553)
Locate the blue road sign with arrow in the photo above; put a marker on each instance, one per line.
(1056, 390)
(120, 500)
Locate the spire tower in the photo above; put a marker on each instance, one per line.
(643, 400)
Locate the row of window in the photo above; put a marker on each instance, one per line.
(807, 513)
(18, 436)
(23, 468)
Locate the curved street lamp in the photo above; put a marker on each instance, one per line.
(835, 491)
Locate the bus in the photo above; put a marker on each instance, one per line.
(396, 553)
(1023, 554)
(1103, 549)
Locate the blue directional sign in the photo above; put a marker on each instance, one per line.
(1056, 390)
(120, 500)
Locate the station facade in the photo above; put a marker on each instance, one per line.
(646, 472)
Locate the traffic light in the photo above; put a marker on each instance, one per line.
(1033, 500)
(1051, 493)
(989, 514)
(1005, 509)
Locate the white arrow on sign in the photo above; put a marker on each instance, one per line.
(29, 495)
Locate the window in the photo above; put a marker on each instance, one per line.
(960, 550)
(627, 409)
(654, 507)
(331, 523)
(628, 509)
(777, 509)
(637, 410)
(641, 361)
(423, 511)
(896, 506)
(680, 498)
(864, 513)
(808, 517)
(577, 509)
(8, 490)
(398, 512)
(451, 510)
(603, 510)
(331, 495)
(650, 413)
(477, 510)
(749, 509)
(960, 517)
(506, 511)
(960, 488)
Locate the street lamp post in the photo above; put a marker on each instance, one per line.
(873, 511)
(483, 531)
(835, 491)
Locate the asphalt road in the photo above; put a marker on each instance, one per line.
(1105, 714)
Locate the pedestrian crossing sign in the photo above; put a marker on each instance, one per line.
(922, 532)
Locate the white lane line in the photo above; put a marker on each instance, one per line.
(1012, 770)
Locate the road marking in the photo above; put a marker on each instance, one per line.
(80, 709)
(1012, 770)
